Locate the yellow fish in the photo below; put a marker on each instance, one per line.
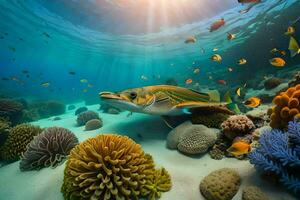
(290, 30)
(239, 148)
(242, 61)
(252, 102)
(238, 91)
(294, 47)
(83, 80)
(277, 62)
(231, 36)
(190, 40)
(216, 58)
(46, 84)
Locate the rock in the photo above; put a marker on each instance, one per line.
(221, 184)
(253, 193)
(93, 124)
(272, 83)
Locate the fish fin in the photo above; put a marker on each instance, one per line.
(214, 95)
(227, 97)
(205, 95)
(293, 47)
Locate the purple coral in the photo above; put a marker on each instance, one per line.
(49, 148)
(237, 125)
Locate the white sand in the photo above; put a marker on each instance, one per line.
(186, 172)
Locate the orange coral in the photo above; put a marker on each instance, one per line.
(287, 107)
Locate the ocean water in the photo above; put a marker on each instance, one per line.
(68, 51)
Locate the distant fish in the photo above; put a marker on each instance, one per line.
(25, 71)
(274, 50)
(143, 77)
(230, 69)
(84, 90)
(215, 49)
(230, 36)
(202, 50)
(216, 58)
(294, 47)
(72, 72)
(217, 24)
(190, 40)
(222, 82)
(188, 81)
(242, 61)
(196, 71)
(46, 34)
(238, 91)
(290, 30)
(90, 85)
(277, 62)
(239, 148)
(5, 79)
(13, 49)
(252, 102)
(14, 78)
(45, 84)
(83, 80)
(210, 77)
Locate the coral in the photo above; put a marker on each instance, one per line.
(30, 115)
(213, 120)
(93, 124)
(272, 83)
(259, 116)
(11, 109)
(296, 80)
(71, 107)
(286, 107)
(55, 108)
(253, 193)
(17, 140)
(191, 139)
(279, 153)
(221, 184)
(47, 149)
(80, 110)
(4, 130)
(86, 116)
(106, 108)
(216, 153)
(112, 167)
(237, 125)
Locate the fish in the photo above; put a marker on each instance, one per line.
(242, 61)
(46, 34)
(13, 78)
(202, 50)
(196, 71)
(72, 72)
(210, 77)
(164, 100)
(215, 49)
(231, 36)
(277, 62)
(294, 47)
(222, 82)
(252, 102)
(190, 40)
(290, 30)
(90, 85)
(188, 81)
(83, 80)
(13, 49)
(25, 71)
(238, 91)
(239, 148)
(5, 79)
(274, 50)
(217, 24)
(84, 90)
(143, 77)
(216, 58)
(282, 52)
(45, 84)
(230, 69)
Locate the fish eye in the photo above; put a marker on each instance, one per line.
(132, 95)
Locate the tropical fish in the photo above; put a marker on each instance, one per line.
(210, 77)
(282, 52)
(230, 69)
(188, 81)
(231, 36)
(163, 100)
(242, 61)
(83, 80)
(216, 58)
(217, 24)
(239, 148)
(45, 84)
(84, 90)
(72, 72)
(196, 71)
(277, 62)
(252, 102)
(5, 79)
(294, 47)
(215, 49)
(13, 78)
(290, 30)
(222, 82)
(238, 91)
(190, 40)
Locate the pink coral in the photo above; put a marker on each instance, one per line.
(237, 125)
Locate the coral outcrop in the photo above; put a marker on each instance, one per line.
(86, 116)
(286, 107)
(11, 109)
(272, 83)
(93, 124)
(237, 125)
(80, 110)
(17, 141)
(4, 130)
(213, 120)
(253, 193)
(48, 149)
(111, 167)
(221, 184)
(278, 154)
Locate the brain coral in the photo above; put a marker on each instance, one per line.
(213, 120)
(93, 124)
(17, 140)
(221, 184)
(11, 109)
(237, 125)
(286, 107)
(86, 116)
(49, 148)
(110, 167)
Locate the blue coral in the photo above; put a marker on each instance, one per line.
(279, 153)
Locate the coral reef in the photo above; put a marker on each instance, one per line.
(296, 80)
(4, 130)
(237, 125)
(11, 109)
(47, 149)
(93, 124)
(30, 115)
(191, 139)
(71, 107)
(80, 110)
(17, 140)
(112, 167)
(213, 120)
(279, 154)
(221, 184)
(253, 193)
(286, 107)
(216, 153)
(259, 116)
(86, 116)
(272, 83)
(54, 108)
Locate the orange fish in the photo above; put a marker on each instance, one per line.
(252, 102)
(217, 24)
(277, 62)
(239, 148)
(188, 81)
(222, 82)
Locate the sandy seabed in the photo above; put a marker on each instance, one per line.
(186, 172)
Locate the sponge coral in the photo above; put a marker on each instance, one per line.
(111, 167)
(86, 116)
(49, 148)
(17, 140)
(286, 107)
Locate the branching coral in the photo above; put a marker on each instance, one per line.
(17, 140)
(86, 116)
(279, 153)
(11, 109)
(110, 167)
(49, 148)
(286, 107)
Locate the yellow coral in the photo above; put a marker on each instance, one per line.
(286, 107)
(107, 167)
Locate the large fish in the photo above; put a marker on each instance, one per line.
(165, 100)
